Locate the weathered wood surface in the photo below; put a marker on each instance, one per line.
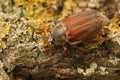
(60, 66)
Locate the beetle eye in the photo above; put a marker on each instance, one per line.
(51, 39)
(52, 42)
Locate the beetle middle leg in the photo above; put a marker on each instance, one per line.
(80, 49)
(65, 47)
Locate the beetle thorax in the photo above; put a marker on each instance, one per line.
(58, 34)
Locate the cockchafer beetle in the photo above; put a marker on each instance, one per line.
(78, 27)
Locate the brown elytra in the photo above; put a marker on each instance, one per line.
(78, 27)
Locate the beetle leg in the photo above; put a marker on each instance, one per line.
(65, 49)
(107, 38)
(111, 38)
(80, 49)
(47, 49)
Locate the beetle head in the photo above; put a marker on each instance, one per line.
(58, 34)
(104, 20)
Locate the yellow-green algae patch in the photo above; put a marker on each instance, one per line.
(114, 28)
(89, 71)
(4, 29)
(114, 60)
(2, 46)
(103, 70)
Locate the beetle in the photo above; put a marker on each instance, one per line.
(78, 27)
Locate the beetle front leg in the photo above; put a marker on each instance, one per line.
(65, 49)
(47, 49)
